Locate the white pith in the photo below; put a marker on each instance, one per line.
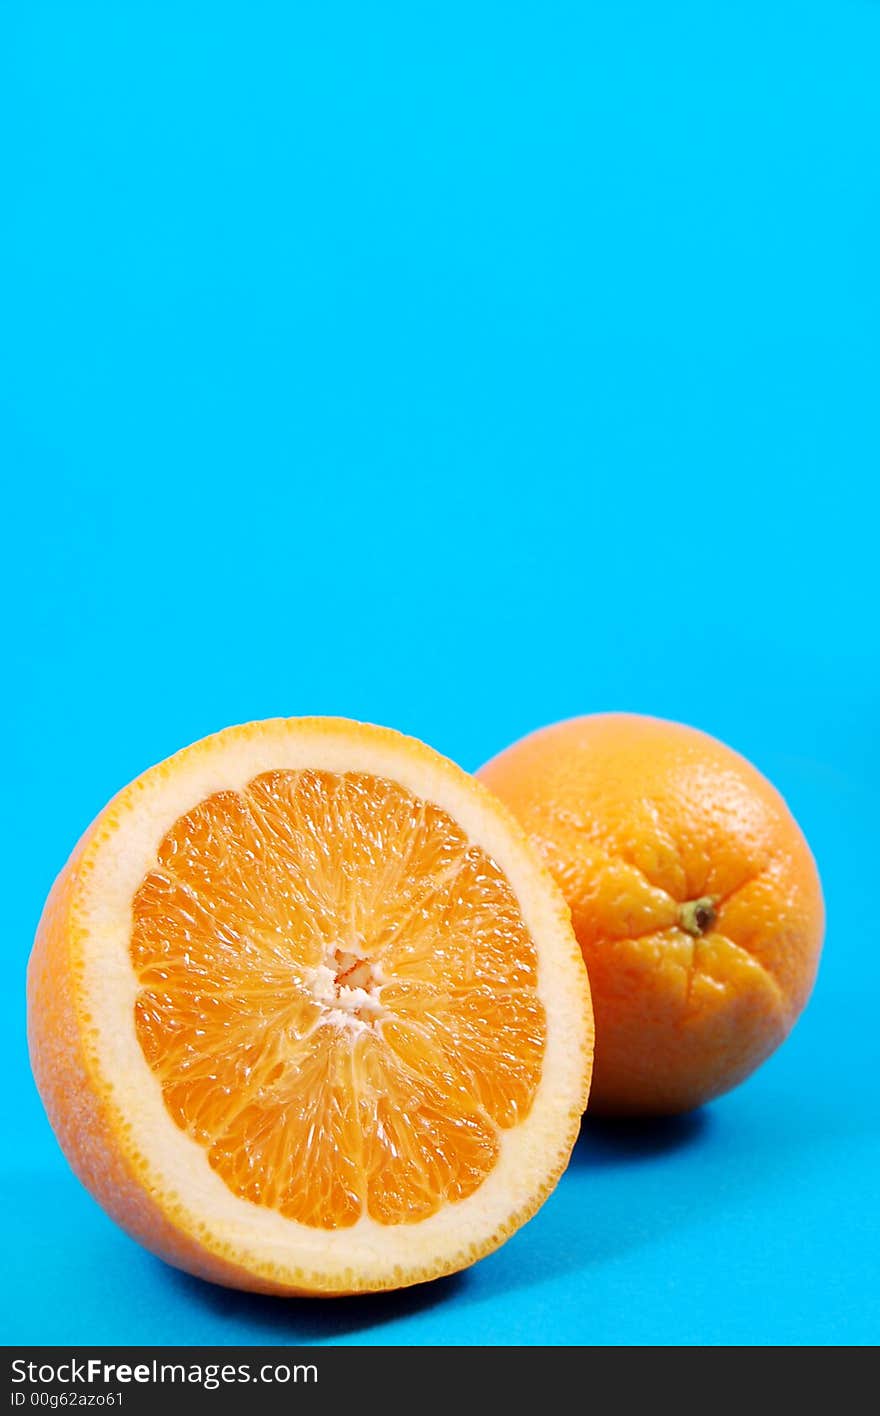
(176, 1167)
(348, 1006)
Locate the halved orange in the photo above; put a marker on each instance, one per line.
(308, 1015)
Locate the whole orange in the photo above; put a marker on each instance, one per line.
(693, 894)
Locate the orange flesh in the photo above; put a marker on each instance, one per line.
(338, 996)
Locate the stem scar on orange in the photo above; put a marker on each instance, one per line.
(307, 1013)
(693, 894)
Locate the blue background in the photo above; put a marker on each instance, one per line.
(459, 367)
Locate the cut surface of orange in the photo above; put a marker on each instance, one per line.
(308, 1015)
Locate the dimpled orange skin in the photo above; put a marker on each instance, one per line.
(694, 897)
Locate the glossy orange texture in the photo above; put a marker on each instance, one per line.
(336, 985)
(694, 897)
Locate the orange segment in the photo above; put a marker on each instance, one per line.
(332, 977)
